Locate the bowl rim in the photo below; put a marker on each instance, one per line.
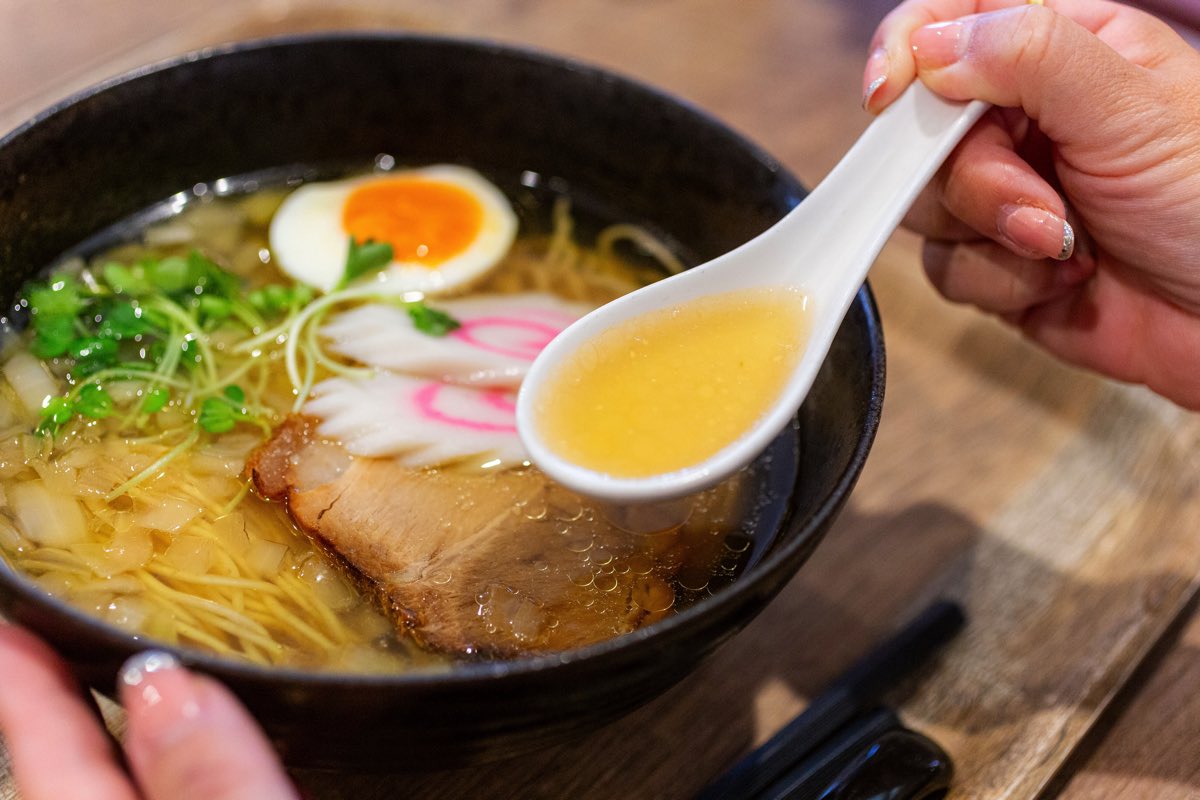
(465, 674)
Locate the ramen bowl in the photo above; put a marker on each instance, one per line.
(135, 141)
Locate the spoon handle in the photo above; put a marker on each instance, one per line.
(879, 178)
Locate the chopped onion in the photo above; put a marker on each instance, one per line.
(59, 478)
(11, 539)
(8, 414)
(231, 530)
(359, 658)
(132, 547)
(169, 513)
(267, 522)
(172, 417)
(44, 517)
(127, 551)
(124, 584)
(124, 392)
(31, 381)
(369, 621)
(190, 554)
(265, 557)
(104, 474)
(161, 626)
(92, 596)
(232, 445)
(82, 456)
(207, 463)
(323, 463)
(57, 583)
(168, 233)
(12, 457)
(328, 584)
(128, 613)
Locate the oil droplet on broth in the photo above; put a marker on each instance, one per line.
(737, 544)
(653, 595)
(581, 576)
(606, 583)
(693, 579)
(535, 510)
(609, 408)
(639, 564)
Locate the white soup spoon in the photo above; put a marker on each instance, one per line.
(823, 248)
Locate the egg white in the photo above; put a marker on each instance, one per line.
(309, 243)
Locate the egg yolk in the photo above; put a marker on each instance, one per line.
(426, 222)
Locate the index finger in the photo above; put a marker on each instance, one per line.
(890, 65)
(56, 744)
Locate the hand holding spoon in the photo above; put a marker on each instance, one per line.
(816, 257)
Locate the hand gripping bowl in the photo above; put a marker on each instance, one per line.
(135, 141)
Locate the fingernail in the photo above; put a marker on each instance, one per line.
(874, 76)
(155, 688)
(1036, 232)
(939, 45)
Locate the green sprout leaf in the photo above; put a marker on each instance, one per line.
(191, 353)
(214, 309)
(52, 336)
(92, 354)
(126, 280)
(168, 275)
(209, 279)
(53, 306)
(276, 298)
(93, 402)
(431, 320)
(147, 323)
(217, 416)
(58, 297)
(57, 412)
(155, 400)
(122, 319)
(364, 258)
(221, 414)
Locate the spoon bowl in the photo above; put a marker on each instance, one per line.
(823, 248)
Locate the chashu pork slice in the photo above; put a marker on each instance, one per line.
(492, 564)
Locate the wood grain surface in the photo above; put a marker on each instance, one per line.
(1061, 509)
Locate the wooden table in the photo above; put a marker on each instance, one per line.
(1061, 509)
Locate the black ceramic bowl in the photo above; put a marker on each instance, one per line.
(135, 141)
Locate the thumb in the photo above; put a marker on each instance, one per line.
(189, 739)
(1076, 86)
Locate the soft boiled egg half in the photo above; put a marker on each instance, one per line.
(447, 226)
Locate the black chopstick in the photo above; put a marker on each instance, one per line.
(857, 689)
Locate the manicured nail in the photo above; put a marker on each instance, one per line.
(1036, 232)
(939, 45)
(875, 75)
(156, 689)
(1068, 242)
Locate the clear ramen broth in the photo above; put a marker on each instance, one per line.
(136, 504)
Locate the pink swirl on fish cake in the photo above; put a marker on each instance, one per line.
(538, 333)
(428, 396)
